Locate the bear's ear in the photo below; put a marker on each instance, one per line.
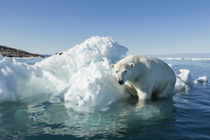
(112, 65)
(131, 65)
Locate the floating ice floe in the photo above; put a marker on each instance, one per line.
(183, 80)
(201, 80)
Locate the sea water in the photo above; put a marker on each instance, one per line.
(59, 98)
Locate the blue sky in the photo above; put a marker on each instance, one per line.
(144, 26)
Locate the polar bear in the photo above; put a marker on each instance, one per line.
(144, 77)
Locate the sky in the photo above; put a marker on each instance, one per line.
(143, 26)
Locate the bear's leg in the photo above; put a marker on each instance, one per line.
(167, 91)
(144, 91)
(142, 95)
(130, 89)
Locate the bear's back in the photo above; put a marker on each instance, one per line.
(152, 65)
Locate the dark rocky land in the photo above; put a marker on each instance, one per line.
(12, 52)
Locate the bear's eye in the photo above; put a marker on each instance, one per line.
(125, 71)
(117, 71)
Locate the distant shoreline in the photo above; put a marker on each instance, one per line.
(12, 52)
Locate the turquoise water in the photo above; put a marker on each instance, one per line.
(184, 116)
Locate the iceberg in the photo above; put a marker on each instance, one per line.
(83, 74)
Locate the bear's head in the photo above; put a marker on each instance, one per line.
(122, 71)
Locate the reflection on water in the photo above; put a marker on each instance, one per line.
(121, 118)
(125, 118)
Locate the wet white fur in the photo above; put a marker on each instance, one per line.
(145, 77)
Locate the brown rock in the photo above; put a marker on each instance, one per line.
(11, 52)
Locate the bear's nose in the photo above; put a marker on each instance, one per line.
(120, 82)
